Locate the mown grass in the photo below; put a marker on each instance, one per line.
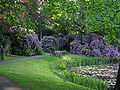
(9, 57)
(36, 74)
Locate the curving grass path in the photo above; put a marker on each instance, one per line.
(35, 74)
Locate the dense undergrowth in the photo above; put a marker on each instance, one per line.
(61, 68)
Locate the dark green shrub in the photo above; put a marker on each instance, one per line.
(17, 51)
(90, 82)
(28, 52)
(4, 47)
(39, 51)
(62, 66)
(2, 57)
(25, 52)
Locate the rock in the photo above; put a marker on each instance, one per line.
(58, 53)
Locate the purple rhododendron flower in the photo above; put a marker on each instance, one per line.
(93, 45)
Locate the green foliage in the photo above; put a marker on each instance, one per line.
(25, 52)
(2, 57)
(102, 17)
(62, 67)
(10, 57)
(90, 82)
(99, 16)
(28, 52)
(69, 61)
(118, 57)
(37, 75)
(17, 13)
(4, 44)
(39, 51)
(68, 16)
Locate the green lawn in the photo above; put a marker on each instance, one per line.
(35, 74)
(9, 57)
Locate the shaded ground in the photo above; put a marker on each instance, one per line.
(6, 84)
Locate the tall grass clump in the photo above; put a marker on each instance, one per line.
(61, 68)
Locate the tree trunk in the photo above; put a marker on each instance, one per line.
(117, 86)
(40, 35)
(2, 57)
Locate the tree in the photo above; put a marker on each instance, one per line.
(65, 16)
(102, 16)
(15, 14)
(117, 86)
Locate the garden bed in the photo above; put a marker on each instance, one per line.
(107, 72)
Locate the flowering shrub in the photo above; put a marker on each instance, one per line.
(75, 47)
(86, 51)
(92, 45)
(4, 45)
(71, 37)
(25, 43)
(49, 43)
(96, 53)
(39, 51)
(63, 43)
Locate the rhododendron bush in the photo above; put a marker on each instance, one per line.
(63, 43)
(25, 43)
(55, 42)
(92, 45)
(49, 44)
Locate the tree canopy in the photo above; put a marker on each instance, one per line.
(17, 13)
(76, 16)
